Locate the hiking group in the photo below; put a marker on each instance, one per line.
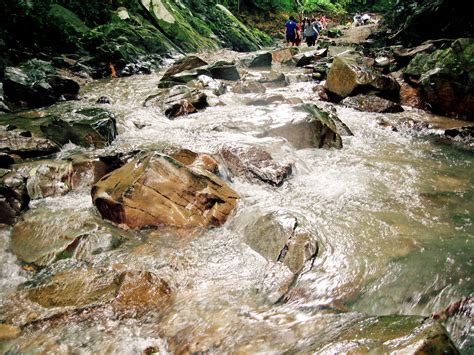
(308, 31)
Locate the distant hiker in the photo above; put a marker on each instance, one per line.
(311, 32)
(291, 31)
(365, 19)
(298, 34)
(323, 21)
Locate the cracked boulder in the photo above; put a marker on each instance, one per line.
(278, 237)
(155, 190)
(255, 164)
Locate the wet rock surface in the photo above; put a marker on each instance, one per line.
(443, 78)
(14, 196)
(254, 163)
(37, 84)
(371, 103)
(347, 77)
(139, 194)
(72, 233)
(317, 130)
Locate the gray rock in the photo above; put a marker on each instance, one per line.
(317, 130)
(371, 103)
(255, 164)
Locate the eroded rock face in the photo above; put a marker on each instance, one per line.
(371, 103)
(254, 163)
(445, 78)
(317, 130)
(156, 189)
(347, 77)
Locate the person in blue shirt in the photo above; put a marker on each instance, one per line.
(291, 34)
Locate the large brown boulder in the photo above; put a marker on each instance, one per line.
(349, 76)
(155, 189)
(22, 143)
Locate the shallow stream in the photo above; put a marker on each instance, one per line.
(392, 211)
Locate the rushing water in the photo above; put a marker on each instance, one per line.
(392, 213)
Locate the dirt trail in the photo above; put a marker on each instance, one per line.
(356, 34)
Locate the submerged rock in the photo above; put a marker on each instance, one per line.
(37, 84)
(44, 235)
(68, 288)
(247, 87)
(445, 78)
(347, 77)
(156, 189)
(317, 130)
(254, 163)
(371, 103)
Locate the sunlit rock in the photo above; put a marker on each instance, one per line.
(348, 77)
(156, 189)
(278, 237)
(255, 164)
(316, 130)
(284, 55)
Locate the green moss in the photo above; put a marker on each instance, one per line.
(172, 21)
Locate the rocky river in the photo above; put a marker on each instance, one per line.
(312, 226)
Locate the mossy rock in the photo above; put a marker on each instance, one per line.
(67, 22)
(125, 41)
(173, 21)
